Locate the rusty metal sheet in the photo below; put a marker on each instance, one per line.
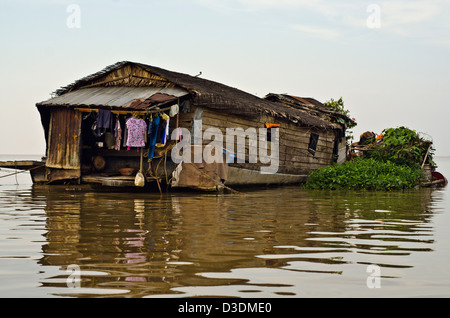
(304, 101)
(64, 139)
(152, 100)
(159, 98)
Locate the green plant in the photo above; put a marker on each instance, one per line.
(402, 146)
(369, 174)
(338, 106)
(349, 122)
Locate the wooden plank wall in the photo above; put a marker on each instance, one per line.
(294, 140)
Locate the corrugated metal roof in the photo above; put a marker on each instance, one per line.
(128, 97)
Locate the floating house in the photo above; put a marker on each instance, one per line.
(127, 119)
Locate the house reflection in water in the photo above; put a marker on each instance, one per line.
(147, 244)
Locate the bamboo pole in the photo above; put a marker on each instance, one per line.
(124, 112)
(426, 155)
(142, 156)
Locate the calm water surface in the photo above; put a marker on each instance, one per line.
(279, 242)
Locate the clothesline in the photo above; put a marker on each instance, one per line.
(137, 130)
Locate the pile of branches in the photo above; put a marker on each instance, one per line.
(401, 146)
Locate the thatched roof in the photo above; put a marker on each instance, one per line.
(210, 94)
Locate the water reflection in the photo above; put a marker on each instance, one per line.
(265, 243)
(150, 244)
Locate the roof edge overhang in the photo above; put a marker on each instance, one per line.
(118, 98)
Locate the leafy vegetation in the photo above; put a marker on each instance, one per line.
(338, 106)
(369, 174)
(401, 146)
(392, 161)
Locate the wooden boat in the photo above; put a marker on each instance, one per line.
(437, 180)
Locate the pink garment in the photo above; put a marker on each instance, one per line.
(136, 129)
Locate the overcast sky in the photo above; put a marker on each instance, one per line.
(389, 60)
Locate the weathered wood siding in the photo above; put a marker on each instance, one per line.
(293, 146)
(64, 139)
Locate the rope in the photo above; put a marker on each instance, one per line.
(15, 175)
(17, 172)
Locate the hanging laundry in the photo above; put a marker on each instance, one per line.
(174, 109)
(136, 129)
(179, 134)
(109, 140)
(163, 131)
(185, 106)
(160, 132)
(150, 125)
(118, 134)
(104, 121)
(125, 132)
(153, 135)
(167, 130)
